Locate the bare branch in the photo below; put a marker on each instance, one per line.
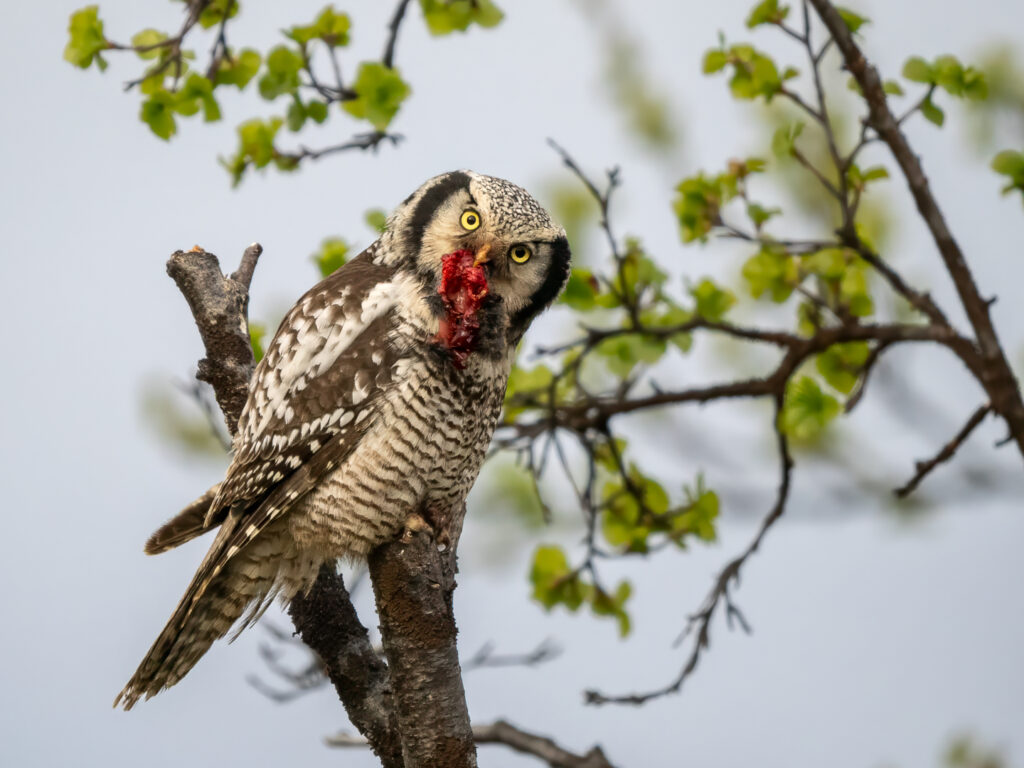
(923, 468)
(541, 747)
(219, 305)
(388, 59)
(363, 141)
(485, 657)
(503, 732)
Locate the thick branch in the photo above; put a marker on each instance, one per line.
(220, 306)
(417, 625)
(995, 374)
(327, 623)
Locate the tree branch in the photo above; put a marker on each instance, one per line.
(417, 625)
(326, 621)
(995, 373)
(388, 59)
(541, 747)
(923, 468)
(700, 622)
(220, 307)
(502, 732)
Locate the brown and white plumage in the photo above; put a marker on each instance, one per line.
(359, 415)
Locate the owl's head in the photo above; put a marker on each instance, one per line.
(523, 253)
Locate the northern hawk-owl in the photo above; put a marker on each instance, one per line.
(376, 400)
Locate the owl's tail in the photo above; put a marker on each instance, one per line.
(222, 590)
(186, 525)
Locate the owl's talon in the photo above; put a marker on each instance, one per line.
(443, 539)
(414, 524)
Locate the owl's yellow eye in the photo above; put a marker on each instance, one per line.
(470, 220)
(520, 254)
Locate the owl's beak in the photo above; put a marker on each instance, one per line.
(482, 255)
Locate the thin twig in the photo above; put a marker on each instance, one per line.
(502, 732)
(923, 468)
(388, 59)
(699, 623)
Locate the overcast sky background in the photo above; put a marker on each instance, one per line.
(876, 640)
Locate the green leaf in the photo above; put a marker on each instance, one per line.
(554, 582)
(754, 74)
(932, 113)
(698, 516)
(316, 111)
(773, 271)
(892, 88)
(948, 74)
(841, 364)
(828, 263)
(767, 12)
(240, 70)
(712, 301)
(918, 70)
(158, 113)
(784, 139)
(581, 290)
(214, 12)
(376, 219)
(257, 332)
(853, 289)
(852, 20)
(604, 604)
(331, 256)
(806, 409)
(1009, 163)
(197, 91)
(330, 26)
(255, 147)
(380, 92)
(623, 353)
(446, 16)
(85, 38)
(147, 38)
(697, 204)
(653, 317)
(760, 215)
(281, 74)
(715, 60)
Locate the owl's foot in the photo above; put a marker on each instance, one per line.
(415, 523)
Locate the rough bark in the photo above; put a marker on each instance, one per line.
(413, 587)
(327, 622)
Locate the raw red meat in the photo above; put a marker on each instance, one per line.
(463, 288)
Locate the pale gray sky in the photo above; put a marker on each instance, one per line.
(875, 640)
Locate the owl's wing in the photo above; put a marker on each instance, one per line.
(322, 376)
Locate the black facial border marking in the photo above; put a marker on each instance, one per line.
(425, 209)
(558, 273)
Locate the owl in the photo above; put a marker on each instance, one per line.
(374, 404)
